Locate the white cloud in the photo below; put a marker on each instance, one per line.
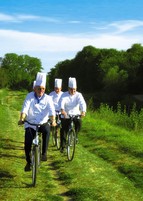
(22, 17)
(118, 27)
(52, 48)
(128, 25)
(27, 17)
(74, 22)
(26, 41)
(4, 18)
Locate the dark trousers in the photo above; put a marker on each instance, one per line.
(29, 136)
(65, 127)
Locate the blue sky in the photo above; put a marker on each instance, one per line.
(55, 30)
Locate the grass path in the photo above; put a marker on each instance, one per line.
(15, 183)
(89, 177)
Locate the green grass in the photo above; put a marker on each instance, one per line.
(119, 147)
(108, 163)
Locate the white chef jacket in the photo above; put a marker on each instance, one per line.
(72, 104)
(37, 110)
(56, 97)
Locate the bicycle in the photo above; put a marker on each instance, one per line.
(56, 131)
(71, 138)
(35, 153)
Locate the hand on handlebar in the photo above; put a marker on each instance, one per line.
(53, 123)
(20, 122)
(82, 114)
(64, 114)
(22, 118)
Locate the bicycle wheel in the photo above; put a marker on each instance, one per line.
(53, 136)
(34, 164)
(71, 144)
(57, 134)
(39, 153)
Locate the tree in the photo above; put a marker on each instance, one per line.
(104, 70)
(115, 80)
(62, 71)
(85, 67)
(134, 58)
(21, 70)
(3, 78)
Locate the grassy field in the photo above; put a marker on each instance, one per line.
(108, 163)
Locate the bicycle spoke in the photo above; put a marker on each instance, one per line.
(34, 164)
(53, 136)
(71, 145)
(58, 138)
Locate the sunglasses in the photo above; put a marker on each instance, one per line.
(40, 88)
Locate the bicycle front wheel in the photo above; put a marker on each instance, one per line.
(34, 164)
(71, 141)
(39, 153)
(53, 130)
(58, 138)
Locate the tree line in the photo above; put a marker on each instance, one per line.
(104, 69)
(109, 72)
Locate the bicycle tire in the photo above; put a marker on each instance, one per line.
(34, 164)
(39, 153)
(71, 141)
(57, 134)
(53, 136)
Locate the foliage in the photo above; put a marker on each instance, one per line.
(60, 71)
(19, 72)
(134, 66)
(113, 72)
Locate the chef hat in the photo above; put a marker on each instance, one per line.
(58, 83)
(41, 79)
(72, 82)
(34, 83)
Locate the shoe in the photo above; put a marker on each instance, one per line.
(27, 167)
(62, 149)
(44, 157)
(77, 141)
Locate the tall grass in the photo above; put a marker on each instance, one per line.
(120, 117)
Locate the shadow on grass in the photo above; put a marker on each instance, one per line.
(134, 173)
(5, 174)
(7, 181)
(28, 185)
(86, 193)
(54, 165)
(114, 155)
(9, 140)
(6, 178)
(11, 147)
(11, 144)
(24, 185)
(11, 156)
(138, 154)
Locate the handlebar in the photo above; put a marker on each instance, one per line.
(57, 112)
(71, 116)
(33, 124)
